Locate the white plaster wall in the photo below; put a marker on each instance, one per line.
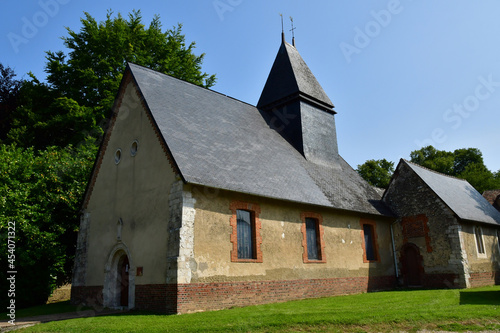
(281, 242)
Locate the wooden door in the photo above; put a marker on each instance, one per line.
(412, 265)
(124, 281)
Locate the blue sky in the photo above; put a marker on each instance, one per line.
(402, 74)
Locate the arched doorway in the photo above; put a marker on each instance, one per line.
(411, 265)
(119, 281)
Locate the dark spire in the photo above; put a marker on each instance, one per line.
(290, 78)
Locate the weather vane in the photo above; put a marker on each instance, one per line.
(292, 30)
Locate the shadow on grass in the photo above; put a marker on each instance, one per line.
(480, 297)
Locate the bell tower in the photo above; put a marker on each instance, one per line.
(294, 104)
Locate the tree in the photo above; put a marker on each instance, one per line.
(90, 74)
(9, 91)
(437, 160)
(465, 163)
(40, 193)
(480, 177)
(377, 172)
(45, 118)
(464, 158)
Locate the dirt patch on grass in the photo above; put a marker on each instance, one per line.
(60, 294)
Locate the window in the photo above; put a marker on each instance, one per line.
(134, 147)
(369, 241)
(246, 231)
(245, 235)
(118, 156)
(479, 240)
(312, 238)
(498, 240)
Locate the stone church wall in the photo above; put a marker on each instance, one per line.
(484, 269)
(217, 281)
(127, 211)
(430, 225)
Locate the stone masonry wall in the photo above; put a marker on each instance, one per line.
(181, 234)
(80, 265)
(440, 245)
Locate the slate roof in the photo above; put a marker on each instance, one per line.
(291, 77)
(458, 195)
(220, 142)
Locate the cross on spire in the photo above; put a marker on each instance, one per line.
(292, 30)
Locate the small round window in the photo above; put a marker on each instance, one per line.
(133, 148)
(118, 156)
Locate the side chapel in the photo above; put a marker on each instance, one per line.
(198, 201)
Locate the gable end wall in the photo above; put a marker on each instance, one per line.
(126, 205)
(444, 262)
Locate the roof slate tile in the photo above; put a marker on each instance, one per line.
(220, 142)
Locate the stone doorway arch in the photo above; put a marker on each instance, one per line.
(119, 279)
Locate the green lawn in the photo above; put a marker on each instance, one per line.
(46, 309)
(452, 310)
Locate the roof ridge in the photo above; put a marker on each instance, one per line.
(190, 83)
(437, 172)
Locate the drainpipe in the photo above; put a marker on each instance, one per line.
(394, 253)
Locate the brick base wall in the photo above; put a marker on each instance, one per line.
(160, 298)
(484, 279)
(214, 296)
(191, 297)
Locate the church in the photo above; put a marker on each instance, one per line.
(198, 201)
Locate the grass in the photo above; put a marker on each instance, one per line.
(46, 309)
(455, 310)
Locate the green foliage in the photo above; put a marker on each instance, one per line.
(431, 158)
(40, 192)
(9, 89)
(45, 118)
(394, 311)
(90, 74)
(377, 172)
(465, 163)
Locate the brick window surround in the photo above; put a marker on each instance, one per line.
(374, 237)
(416, 226)
(254, 210)
(320, 240)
